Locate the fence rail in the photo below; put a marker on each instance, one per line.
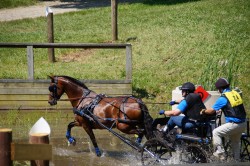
(31, 46)
(32, 94)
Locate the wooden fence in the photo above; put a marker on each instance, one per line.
(38, 150)
(32, 94)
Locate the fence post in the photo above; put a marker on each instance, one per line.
(50, 24)
(30, 60)
(114, 19)
(129, 62)
(5, 147)
(39, 134)
(39, 138)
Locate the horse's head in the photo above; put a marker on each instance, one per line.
(56, 90)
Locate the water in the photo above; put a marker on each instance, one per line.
(114, 151)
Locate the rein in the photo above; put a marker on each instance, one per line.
(70, 99)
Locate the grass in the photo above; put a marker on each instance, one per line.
(16, 3)
(174, 42)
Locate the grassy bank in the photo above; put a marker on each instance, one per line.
(16, 3)
(173, 42)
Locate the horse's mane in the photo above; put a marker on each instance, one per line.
(75, 81)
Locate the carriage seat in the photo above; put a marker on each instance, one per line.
(202, 133)
(202, 129)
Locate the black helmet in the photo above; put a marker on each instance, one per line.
(222, 83)
(188, 86)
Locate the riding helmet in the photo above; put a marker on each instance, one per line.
(222, 83)
(188, 86)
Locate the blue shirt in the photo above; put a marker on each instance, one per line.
(182, 106)
(222, 102)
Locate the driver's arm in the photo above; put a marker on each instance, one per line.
(173, 112)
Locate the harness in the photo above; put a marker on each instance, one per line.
(87, 110)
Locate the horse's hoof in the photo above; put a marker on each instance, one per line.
(138, 140)
(98, 152)
(74, 143)
(71, 141)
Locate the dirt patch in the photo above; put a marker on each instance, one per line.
(78, 56)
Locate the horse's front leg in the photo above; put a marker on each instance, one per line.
(89, 131)
(71, 140)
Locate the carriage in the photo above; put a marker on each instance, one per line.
(192, 146)
(131, 116)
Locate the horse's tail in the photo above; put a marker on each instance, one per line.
(148, 120)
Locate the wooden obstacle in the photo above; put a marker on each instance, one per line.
(38, 151)
(33, 95)
(5, 146)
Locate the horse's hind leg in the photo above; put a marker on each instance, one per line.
(139, 138)
(131, 129)
(71, 140)
(89, 131)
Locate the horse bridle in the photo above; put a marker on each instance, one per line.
(53, 89)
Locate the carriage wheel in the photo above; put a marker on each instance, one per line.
(245, 149)
(155, 152)
(193, 154)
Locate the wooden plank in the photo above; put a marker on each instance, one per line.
(129, 62)
(32, 103)
(46, 84)
(84, 81)
(65, 45)
(24, 90)
(30, 61)
(25, 97)
(31, 151)
(109, 90)
(26, 94)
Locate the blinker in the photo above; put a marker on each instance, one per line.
(51, 88)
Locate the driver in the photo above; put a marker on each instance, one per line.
(190, 106)
(232, 106)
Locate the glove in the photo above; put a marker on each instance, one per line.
(161, 112)
(203, 112)
(172, 103)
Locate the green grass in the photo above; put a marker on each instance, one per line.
(16, 3)
(176, 41)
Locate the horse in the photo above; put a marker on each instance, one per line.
(127, 113)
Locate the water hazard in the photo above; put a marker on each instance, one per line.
(114, 151)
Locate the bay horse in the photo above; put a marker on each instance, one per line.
(127, 113)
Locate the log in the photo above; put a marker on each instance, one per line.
(5, 147)
(39, 138)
